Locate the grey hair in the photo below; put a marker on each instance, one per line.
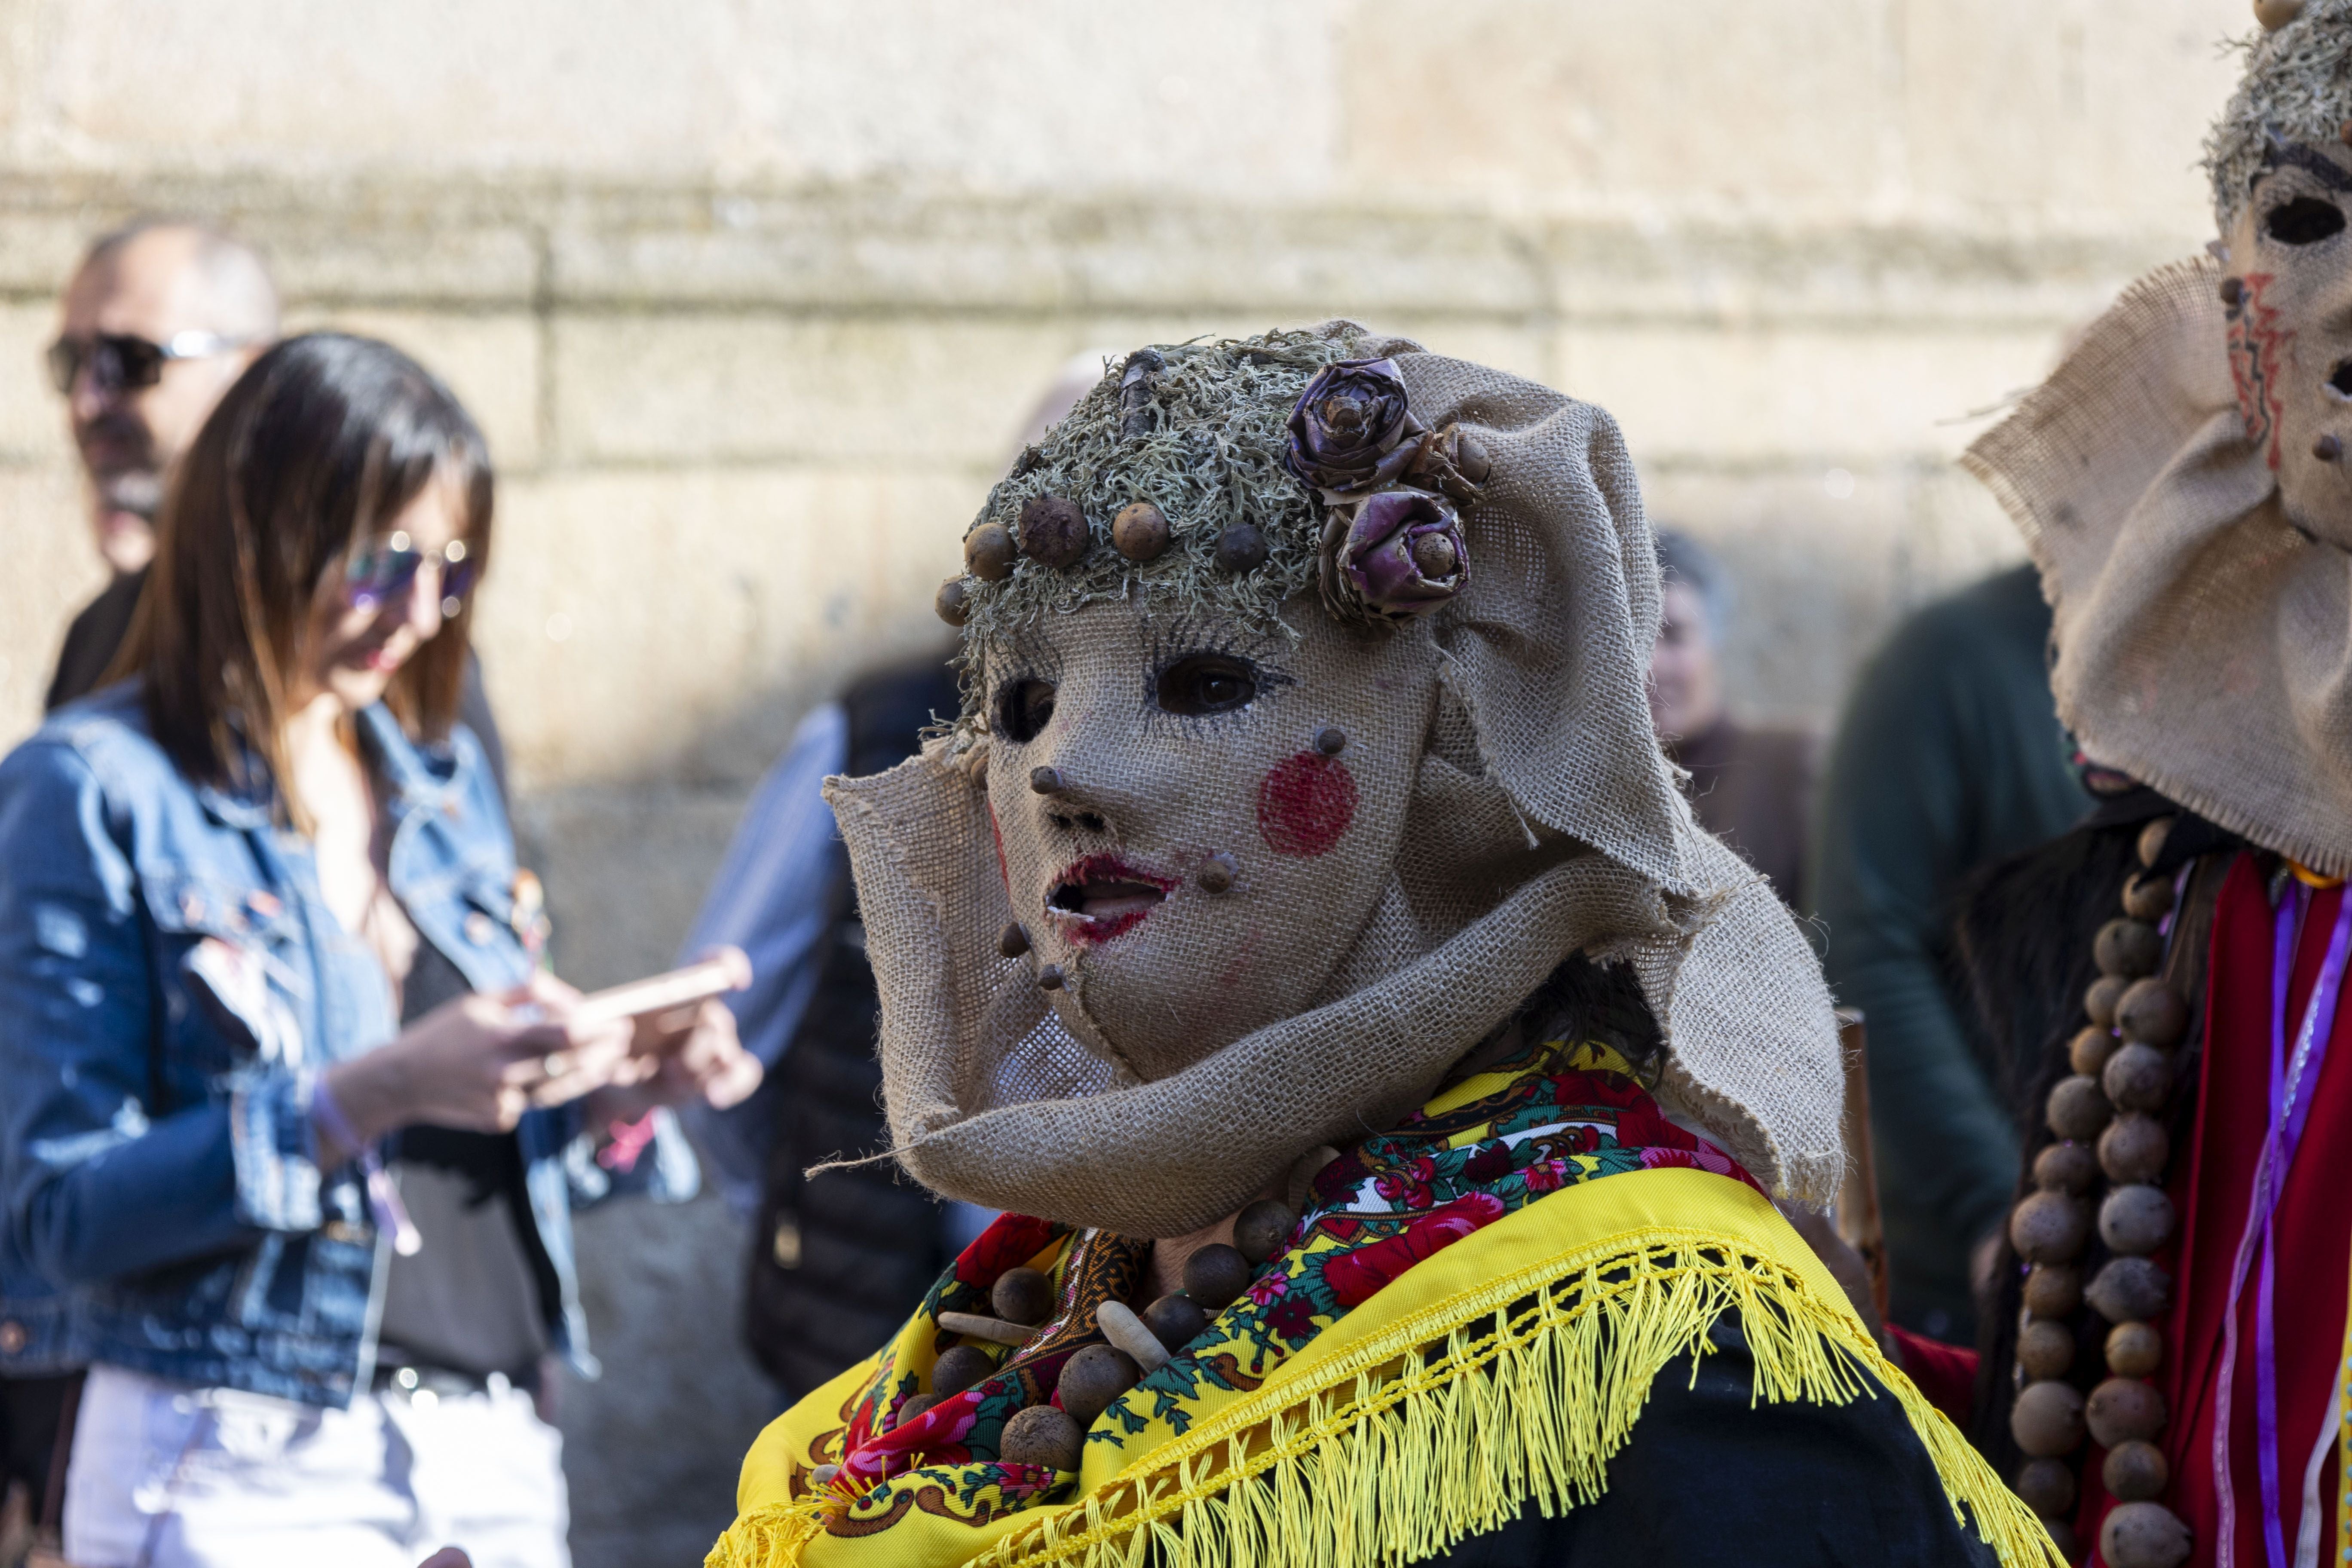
(2297, 88)
(1682, 559)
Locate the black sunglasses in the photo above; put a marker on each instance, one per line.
(118, 362)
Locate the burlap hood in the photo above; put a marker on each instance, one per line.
(1542, 820)
(2204, 646)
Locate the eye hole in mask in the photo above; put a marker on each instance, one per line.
(2306, 220)
(1205, 683)
(1023, 709)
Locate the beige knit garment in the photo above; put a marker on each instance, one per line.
(2204, 646)
(1542, 820)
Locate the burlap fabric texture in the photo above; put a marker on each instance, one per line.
(2204, 646)
(1539, 819)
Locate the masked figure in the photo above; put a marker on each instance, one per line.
(2168, 1368)
(1299, 934)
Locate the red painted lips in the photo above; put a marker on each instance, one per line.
(1102, 896)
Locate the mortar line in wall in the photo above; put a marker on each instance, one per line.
(543, 311)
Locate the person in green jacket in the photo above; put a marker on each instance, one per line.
(1948, 757)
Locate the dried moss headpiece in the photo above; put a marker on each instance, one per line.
(1224, 478)
(2297, 88)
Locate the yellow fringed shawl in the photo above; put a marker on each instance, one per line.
(1506, 1369)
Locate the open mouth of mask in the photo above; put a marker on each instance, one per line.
(1104, 895)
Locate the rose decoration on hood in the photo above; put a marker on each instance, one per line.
(1400, 554)
(1347, 429)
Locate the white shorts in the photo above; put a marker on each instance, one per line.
(164, 1475)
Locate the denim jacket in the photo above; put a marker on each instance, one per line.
(172, 983)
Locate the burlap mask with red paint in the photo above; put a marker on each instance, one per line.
(1295, 827)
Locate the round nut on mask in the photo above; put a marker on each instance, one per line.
(2288, 300)
(1175, 742)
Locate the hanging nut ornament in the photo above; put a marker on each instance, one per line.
(2124, 1410)
(2066, 1168)
(960, 1367)
(1053, 530)
(2133, 1149)
(2053, 1290)
(1092, 1381)
(1175, 1319)
(2049, 1227)
(1217, 873)
(2136, 1472)
(2129, 1288)
(953, 602)
(2133, 1349)
(1022, 1295)
(2045, 1348)
(2135, 1220)
(1012, 941)
(2088, 1051)
(1264, 1229)
(915, 1409)
(2106, 993)
(2147, 897)
(2136, 1078)
(989, 553)
(1241, 548)
(2127, 947)
(2078, 1108)
(2047, 1419)
(2150, 846)
(2143, 1535)
(2153, 1013)
(1042, 1435)
(1216, 1276)
(1139, 531)
(2047, 1486)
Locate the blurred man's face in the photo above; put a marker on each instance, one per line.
(151, 289)
(1686, 687)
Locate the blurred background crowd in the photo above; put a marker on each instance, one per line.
(751, 301)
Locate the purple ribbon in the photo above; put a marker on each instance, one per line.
(2293, 1080)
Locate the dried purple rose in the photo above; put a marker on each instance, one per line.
(1403, 555)
(1347, 429)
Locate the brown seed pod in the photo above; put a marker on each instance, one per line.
(2045, 1348)
(2066, 1168)
(1047, 781)
(2134, 1472)
(2153, 1013)
(2047, 1486)
(1093, 1379)
(915, 1408)
(2133, 1149)
(1217, 873)
(1139, 531)
(2078, 1108)
(1012, 941)
(2049, 1227)
(2053, 1290)
(1216, 1276)
(1264, 1229)
(1022, 1295)
(2135, 1220)
(961, 1367)
(2127, 947)
(953, 602)
(1053, 531)
(2231, 291)
(2152, 836)
(2088, 1051)
(2136, 1078)
(2143, 1535)
(1042, 1435)
(1471, 461)
(1051, 978)
(2133, 1349)
(1331, 741)
(2126, 1289)
(2102, 998)
(1435, 557)
(1175, 1321)
(2047, 1419)
(1241, 548)
(2147, 897)
(989, 553)
(2124, 1410)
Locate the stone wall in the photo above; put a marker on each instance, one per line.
(752, 295)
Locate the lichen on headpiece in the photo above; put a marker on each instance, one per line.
(2297, 88)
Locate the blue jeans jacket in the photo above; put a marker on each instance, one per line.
(172, 983)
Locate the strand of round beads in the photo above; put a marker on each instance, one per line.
(2105, 1117)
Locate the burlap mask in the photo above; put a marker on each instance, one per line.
(1410, 803)
(2181, 481)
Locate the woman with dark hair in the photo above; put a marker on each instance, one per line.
(291, 1107)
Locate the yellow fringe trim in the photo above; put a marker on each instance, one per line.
(1403, 1447)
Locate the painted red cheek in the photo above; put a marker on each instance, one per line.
(1305, 804)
